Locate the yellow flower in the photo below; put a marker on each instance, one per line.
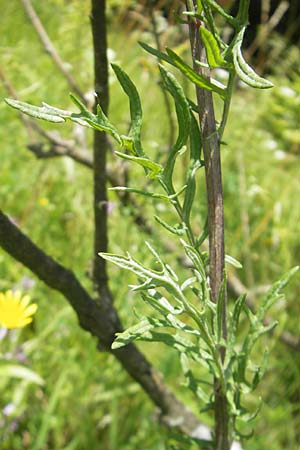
(43, 201)
(15, 311)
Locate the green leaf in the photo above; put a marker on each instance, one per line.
(168, 198)
(103, 124)
(248, 416)
(131, 264)
(195, 164)
(234, 323)
(274, 292)
(188, 283)
(192, 383)
(230, 19)
(213, 51)
(199, 6)
(260, 371)
(99, 122)
(38, 112)
(183, 120)
(243, 70)
(181, 326)
(82, 108)
(195, 258)
(170, 228)
(159, 279)
(199, 80)
(131, 334)
(153, 168)
(20, 372)
(234, 262)
(146, 330)
(160, 303)
(160, 55)
(136, 113)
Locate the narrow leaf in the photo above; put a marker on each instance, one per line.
(153, 167)
(233, 328)
(183, 120)
(243, 70)
(195, 164)
(140, 192)
(38, 112)
(213, 51)
(170, 228)
(135, 107)
(160, 55)
(234, 262)
(195, 258)
(199, 80)
(131, 334)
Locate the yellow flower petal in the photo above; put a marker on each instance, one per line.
(30, 310)
(15, 310)
(25, 301)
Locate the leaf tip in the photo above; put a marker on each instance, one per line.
(117, 344)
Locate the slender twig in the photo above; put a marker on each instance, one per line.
(50, 48)
(100, 145)
(56, 150)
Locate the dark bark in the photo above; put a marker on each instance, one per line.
(98, 23)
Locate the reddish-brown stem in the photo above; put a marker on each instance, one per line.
(212, 160)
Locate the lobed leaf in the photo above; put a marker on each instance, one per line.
(274, 292)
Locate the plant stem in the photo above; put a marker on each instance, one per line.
(211, 150)
(98, 22)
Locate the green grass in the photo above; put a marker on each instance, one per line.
(87, 401)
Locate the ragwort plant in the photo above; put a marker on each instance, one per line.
(191, 315)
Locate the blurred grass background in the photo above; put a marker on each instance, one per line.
(87, 401)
